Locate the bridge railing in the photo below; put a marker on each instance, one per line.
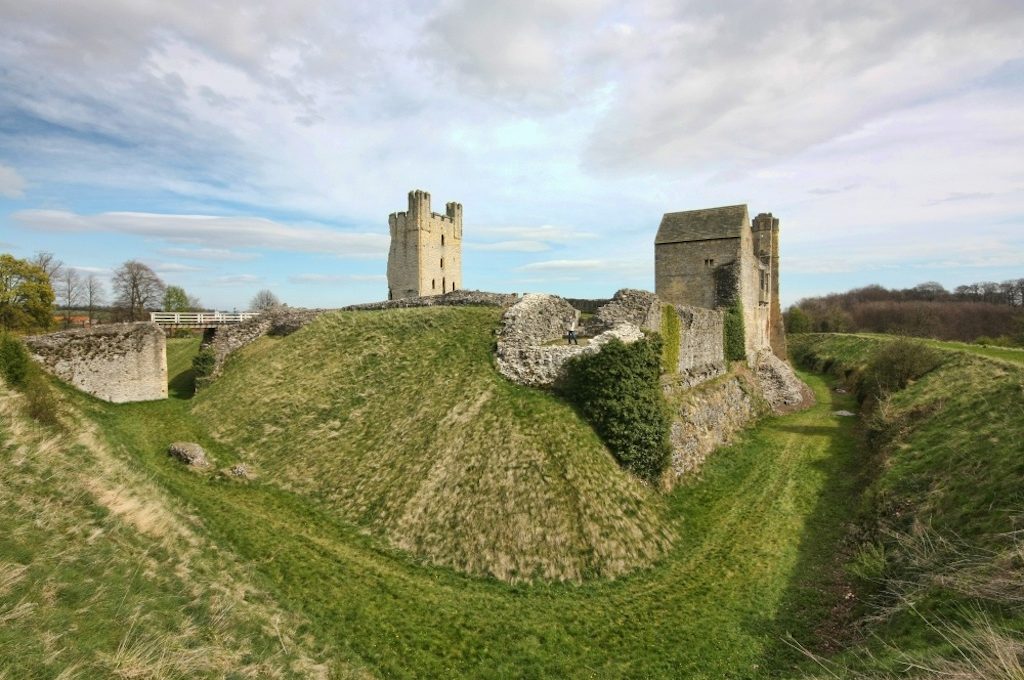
(199, 318)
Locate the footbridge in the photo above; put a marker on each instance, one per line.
(199, 319)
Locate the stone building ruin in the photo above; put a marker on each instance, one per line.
(715, 257)
(425, 257)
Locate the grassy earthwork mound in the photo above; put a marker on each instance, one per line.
(398, 421)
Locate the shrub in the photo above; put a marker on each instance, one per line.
(618, 391)
(14, 361)
(40, 402)
(894, 365)
(203, 362)
(734, 335)
(670, 327)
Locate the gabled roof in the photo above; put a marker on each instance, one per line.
(703, 225)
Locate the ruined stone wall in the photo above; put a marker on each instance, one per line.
(425, 257)
(531, 349)
(684, 273)
(705, 418)
(456, 298)
(115, 362)
(641, 308)
(708, 416)
(701, 351)
(277, 321)
(587, 306)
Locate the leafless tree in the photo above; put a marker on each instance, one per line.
(135, 288)
(69, 290)
(49, 263)
(263, 301)
(94, 294)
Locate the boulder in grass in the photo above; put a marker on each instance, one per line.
(189, 453)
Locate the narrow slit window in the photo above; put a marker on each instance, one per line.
(442, 239)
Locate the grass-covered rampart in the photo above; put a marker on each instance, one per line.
(939, 554)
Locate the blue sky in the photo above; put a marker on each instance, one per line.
(235, 149)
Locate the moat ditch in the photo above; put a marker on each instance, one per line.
(755, 564)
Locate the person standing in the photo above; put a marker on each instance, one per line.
(570, 332)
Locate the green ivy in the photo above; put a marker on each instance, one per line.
(618, 390)
(734, 333)
(670, 333)
(203, 362)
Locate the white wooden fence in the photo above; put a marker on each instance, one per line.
(199, 318)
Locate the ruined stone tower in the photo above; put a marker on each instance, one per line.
(426, 249)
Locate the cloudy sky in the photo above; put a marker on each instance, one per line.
(239, 149)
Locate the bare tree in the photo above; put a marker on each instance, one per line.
(94, 294)
(49, 263)
(135, 288)
(69, 291)
(263, 301)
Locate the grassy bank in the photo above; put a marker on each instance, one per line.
(753, 562)
(940, 551)
(104, 574)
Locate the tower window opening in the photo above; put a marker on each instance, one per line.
(433, 284)
(442, 263)
(442, 239)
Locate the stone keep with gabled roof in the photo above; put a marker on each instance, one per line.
(716, 256)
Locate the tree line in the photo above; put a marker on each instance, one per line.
(979, 312)
(34, 290)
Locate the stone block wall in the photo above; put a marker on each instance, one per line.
(685, 272)
(118, 363)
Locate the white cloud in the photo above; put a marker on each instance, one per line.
(239, 279)
(11, 183)
(212, 232)
(741, 84)
(172, 267)
(335, 278)
(626, 267)
(509, 246)
(208, 254)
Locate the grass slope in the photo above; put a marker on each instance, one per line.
(944, 513)
(398, 421)
(754, 562)
(102, 573)
(1014, 354)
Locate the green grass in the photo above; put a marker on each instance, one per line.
(103, 574)
(943, 515)
(398, 422)
(1013, 354)
(753, 561)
